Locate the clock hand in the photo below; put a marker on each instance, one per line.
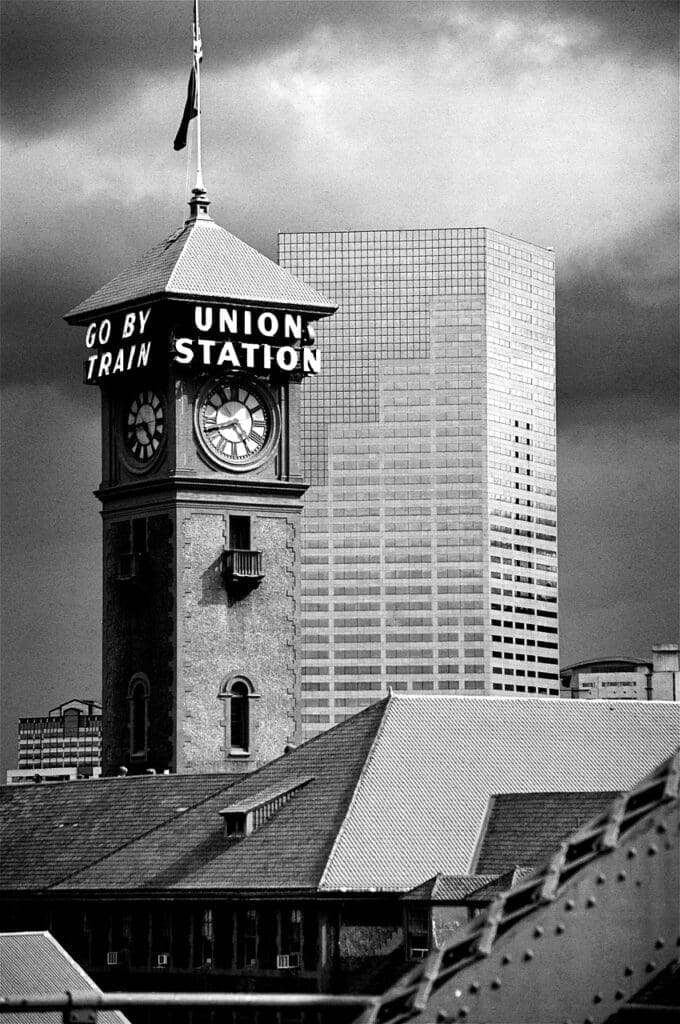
(220, 426)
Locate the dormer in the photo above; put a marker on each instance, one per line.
(243, 817)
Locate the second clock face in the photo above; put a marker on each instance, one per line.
(144, 425)
(234, 419)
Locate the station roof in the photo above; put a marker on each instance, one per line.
(34, 962)
(396, 794)
(447, 888)
(524, 828)
(203, 260)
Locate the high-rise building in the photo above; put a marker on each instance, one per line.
(429, 552)
(64, 744)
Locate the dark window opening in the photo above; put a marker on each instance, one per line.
(239, 533)
(139, 536)
(239, 716)
(235, 824)
(138, 725)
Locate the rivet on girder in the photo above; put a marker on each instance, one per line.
(622, 876)
(559, 929)
(591, 902)
(601, 879)
(653, 850)
(529, 954)
(597, 998)
(443, 1017)
(589, 1020)
(569, 905)
(464, 1012)
(632, 853)
(650, 966)
(628, 971)
(659, 944)
(538, 931)
(618, 994)
(661, 828)
(496, 983)
(474, 987)
(507, 959)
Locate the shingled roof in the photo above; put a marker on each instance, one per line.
(34, 962)
(524, 828)
(392, 796)
(166, 832)
(422, 797)
(202, 259)
(49, 833)
(447, 888)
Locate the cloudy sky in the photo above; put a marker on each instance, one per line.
(556, 122)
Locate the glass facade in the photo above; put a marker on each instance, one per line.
(429, 545)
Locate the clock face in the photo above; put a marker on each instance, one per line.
(144, 425)
(235, 421)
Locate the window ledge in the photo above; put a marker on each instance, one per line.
(239, 753)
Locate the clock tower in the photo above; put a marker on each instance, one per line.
(199, 350)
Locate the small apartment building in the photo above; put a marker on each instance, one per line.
(66, 744)
(625, 678)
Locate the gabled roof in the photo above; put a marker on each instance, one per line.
(203, 260)
(155, 833)
(34, 963)
(447, 888)
(497, 884)
(422, 798)
(396, 794)
(524, 828)
(50, 833)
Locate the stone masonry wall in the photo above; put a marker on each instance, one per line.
(224, 633)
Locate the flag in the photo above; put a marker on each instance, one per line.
(190, 111)
(191, 105)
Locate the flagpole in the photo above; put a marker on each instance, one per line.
(197, 52)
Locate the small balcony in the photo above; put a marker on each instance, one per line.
(241, 568)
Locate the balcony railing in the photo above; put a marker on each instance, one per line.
(240, 567)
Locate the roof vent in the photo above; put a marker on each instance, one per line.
(247, 815)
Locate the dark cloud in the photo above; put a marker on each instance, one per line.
(617, 320)
(64, 60)
(619, 507)
(553, 121)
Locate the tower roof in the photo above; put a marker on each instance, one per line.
(203, 260)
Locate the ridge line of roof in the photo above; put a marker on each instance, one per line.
(516, 699)
(187, 231)
(133, 839)
(355, 795)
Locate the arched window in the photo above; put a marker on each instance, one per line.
(238, 691)
(138, 701)
(240, 726)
